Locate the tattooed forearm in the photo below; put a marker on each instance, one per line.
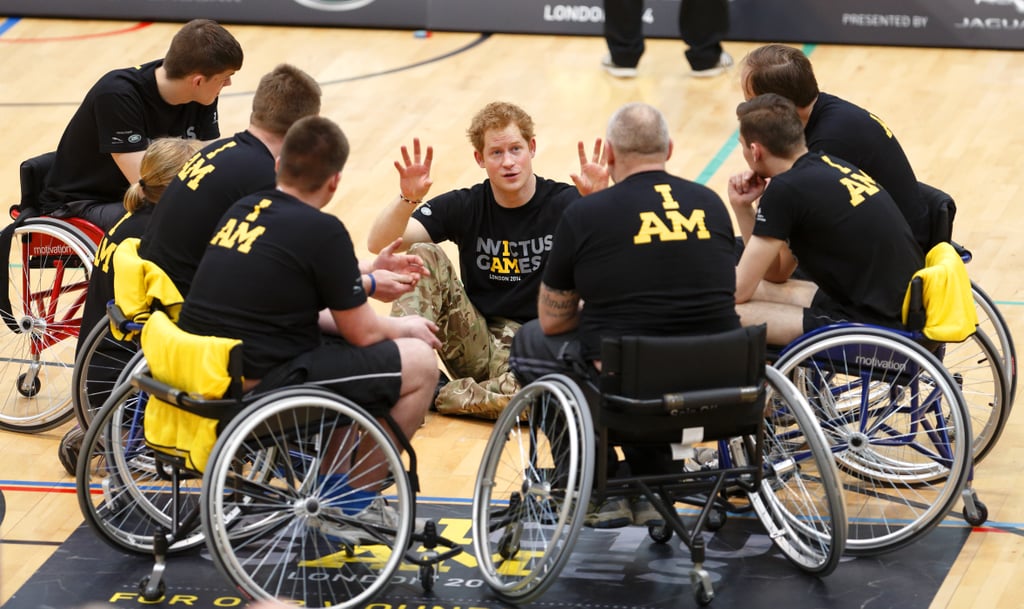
(559, 303)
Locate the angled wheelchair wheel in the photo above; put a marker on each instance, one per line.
(897, 425)
(278, 529)
(799, 500)
(977, 369)
(992, 323)
(533, 488)
(48, 269)
(125, 494)
(100, 364)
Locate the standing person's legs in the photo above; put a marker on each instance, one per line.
(703, 24)
(623, 31)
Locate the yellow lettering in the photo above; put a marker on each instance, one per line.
(227, 601)
(221, 149)
(858, 190)
(104, 252)
(504, 265)
(193, 173)
(113, 229)
(256, 209)
(181, 599)
(650, 224)
(121, 596)
(693, 224)
(888, 132)
(668, 202)
(842, 168)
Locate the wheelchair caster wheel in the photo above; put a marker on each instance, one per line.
(978, 516)
(148, 593)
(427, 576)
(660, 533)
(716, 520)
(508, 546)
(29, 392)
(703, 593)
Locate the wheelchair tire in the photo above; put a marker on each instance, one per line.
(897, 425)
(121, 492)
(799, 500)
(48, 269)
(279, 534)
(992, 323)
(99, 366)
(533, 487)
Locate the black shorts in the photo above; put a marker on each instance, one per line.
(824, 312)
(369, 376)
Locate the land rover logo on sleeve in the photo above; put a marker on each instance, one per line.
(334, 5)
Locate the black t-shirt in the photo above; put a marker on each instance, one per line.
(272, 265)
(847, 234)
(101, 282)
(123, 112)
(847, 131)
(220, 174)
(653, 254)
(501, 251)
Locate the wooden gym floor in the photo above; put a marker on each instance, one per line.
(954, 111)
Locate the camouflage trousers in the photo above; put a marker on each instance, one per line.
(474, 350)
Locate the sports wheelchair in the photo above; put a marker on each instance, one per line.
(49, 261)
(892, 405)
(991, 345)
(548, 452)
(179, 456)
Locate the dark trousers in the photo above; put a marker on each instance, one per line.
(702, 25)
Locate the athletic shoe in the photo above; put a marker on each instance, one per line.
(612, 514)
(703, 459)
(616, 70)
(377, 515)
(644, 513)
(724, 63)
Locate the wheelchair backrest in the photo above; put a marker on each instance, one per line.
(188, 377)
(941, 212)
(654, 386)
(939, 301)
(33, 178)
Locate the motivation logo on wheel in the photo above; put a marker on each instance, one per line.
(334, 5)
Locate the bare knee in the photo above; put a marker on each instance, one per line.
(419, 364)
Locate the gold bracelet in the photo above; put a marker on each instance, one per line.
(408, 200)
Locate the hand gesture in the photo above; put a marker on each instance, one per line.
(409, 264)
(745, 188)
(414, 172)
(391, 285)
(593, 174)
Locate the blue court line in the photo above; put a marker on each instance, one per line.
(8, 23)
(723, 153)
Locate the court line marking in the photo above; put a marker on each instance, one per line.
(4, 27)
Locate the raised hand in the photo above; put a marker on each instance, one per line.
(414, 171)
(593, 175)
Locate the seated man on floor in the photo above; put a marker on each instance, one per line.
(847, 232)
(503, 228)
(652, 255)
(282, 276)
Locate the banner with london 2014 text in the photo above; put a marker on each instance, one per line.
(931, 23)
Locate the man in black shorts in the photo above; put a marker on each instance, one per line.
(845, 229)
(102, 146)
(503, 228)
(653, 254)
(276, 262)
(837, 127)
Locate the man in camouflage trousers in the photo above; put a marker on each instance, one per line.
(503, 228)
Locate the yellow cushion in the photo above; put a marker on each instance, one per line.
(950, 316)
(195, 364)
(138, 284)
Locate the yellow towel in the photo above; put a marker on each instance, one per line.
(950, 316)
(138, 284)
(195, 364)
